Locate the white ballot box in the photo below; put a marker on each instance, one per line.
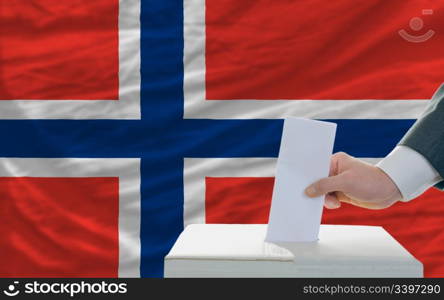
(226, 250)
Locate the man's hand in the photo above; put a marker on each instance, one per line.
(356, 182)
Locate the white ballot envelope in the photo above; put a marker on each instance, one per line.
(304, 157)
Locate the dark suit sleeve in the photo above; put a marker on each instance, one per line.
(427, 134)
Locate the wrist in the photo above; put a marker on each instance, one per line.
(390, 191)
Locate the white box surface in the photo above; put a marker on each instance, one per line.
(227, 250)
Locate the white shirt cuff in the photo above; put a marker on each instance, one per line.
(410, 171)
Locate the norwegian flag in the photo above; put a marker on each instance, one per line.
(124, 120)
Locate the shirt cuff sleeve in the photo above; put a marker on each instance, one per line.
(410, 171)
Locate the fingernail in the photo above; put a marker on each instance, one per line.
(331, 203)
(336, 205)
(310, 191)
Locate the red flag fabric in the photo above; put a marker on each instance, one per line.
(59, 227)
(317, 49)
(54, 50)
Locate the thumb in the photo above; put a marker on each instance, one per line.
(325, 186)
